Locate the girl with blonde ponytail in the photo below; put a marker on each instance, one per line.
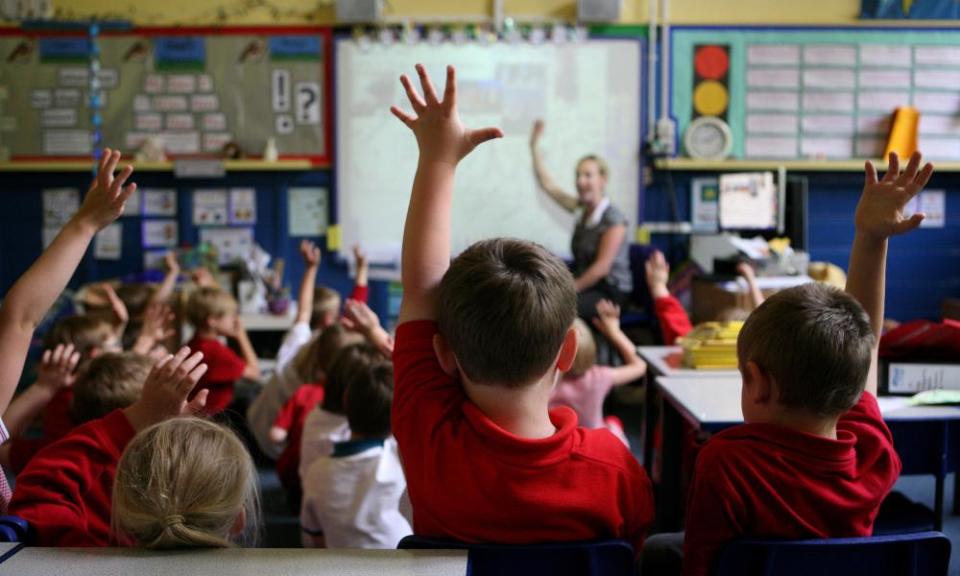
(186, 483)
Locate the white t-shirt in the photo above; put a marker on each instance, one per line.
(354, 498)
(264, 409)
(321, 430)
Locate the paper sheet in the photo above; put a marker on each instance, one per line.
(931, 124)
(830, 55)
(704, 196)
(153, 259)
(945, 102)
(936, 55)
(210, 207)
(59, 205)
(933, 204)
(873, 124)
(748, 201)
(771, 147)
(833, 79)
(826, 147)
(890, 79)
(307, 211)
(231, 243)
(773, 101)
(160, 233)
(773, 54)
(828, 124)
(773, 78)
(886, 56)
(882, 101)
(159, 202)
(939, 148)
(948, 79)
(243, 206)
(870, 147)
(133, 205)
(107, 244)
(828, 101)
(772, 123)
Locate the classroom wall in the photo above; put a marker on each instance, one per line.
(299, 12)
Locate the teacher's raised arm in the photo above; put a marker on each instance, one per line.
(601, 263)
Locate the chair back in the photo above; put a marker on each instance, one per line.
(592, 558)
(918, 554)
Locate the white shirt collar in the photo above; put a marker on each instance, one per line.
(597, 214)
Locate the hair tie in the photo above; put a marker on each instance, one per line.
(172, 520)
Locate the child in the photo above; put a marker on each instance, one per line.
(352, 497)
(288, 427)
(318, 309)
(327, 424)
(31, 296)
(585, 385)
(64, 492)
(186, 483)
(481, 343)
(213, 313)
(109, 382)
(815, 459)
(673, 319)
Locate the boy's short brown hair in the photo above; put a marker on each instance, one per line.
(314, 359)
(816, 342)
(368, 400)
(84, 332)
(107, 383)
(505, 306)
(209, 302)
(326, 303)
(348, 365)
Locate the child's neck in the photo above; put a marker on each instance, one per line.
(808, 423)
(522, 411)
(208, 333)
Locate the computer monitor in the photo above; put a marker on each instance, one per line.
(749, 202)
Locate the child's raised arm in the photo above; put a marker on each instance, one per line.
(33, 294)
(166, 389)
(608, 323)
(879, 216)
(443, 141)
(311, 260)
(165, 291)
(756, 296)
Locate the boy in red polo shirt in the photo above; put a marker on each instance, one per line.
(213, 313)
(814, 459)
(481, 343)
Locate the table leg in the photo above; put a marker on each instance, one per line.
(669, 493)
(649, 423)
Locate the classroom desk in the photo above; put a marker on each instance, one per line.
(8, 549)
(664, 361)
(235, 562)
(923, 434)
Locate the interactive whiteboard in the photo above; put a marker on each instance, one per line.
(588, 93)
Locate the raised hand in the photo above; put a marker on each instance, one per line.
(171, 262)
(107, 195)
(58, 368)
(536, 132)
(441, 136)
(658, 272)
(167, 388)
(880, 210)
(607, 320)
(119, 309)
(357, 316)
(310, 253)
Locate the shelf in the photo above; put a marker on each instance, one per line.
(230, 165)
(736, 165)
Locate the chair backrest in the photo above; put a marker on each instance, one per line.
(14, 529)
(593, 558)
(919, 554)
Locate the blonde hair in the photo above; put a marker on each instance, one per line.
(601, 163)
(184, 483)
(326, 303)
(315, 359)
(209, 302)
(85, 333)
(586, 350)
(107, 383)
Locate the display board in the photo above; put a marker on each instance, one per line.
(807, 93)
(194, 90)
(588, 93)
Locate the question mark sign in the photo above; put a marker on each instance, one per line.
(307, 94)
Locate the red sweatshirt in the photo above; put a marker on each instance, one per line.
(674, 322)
(65, 491)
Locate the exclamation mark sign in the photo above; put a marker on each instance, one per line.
(281, 91)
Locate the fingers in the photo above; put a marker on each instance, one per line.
(910, 172)
(477, 137)
(924, 176)
(47, 355)
(118, 182)
(196, 405)
(871, 172)
(450, 90)
(73, 361)
(893, 167)
(403, 116)
(429, 92)
(415, 100)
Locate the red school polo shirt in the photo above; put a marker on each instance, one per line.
(471, 480)
(764, 480)
(224, 368)
(65, 491)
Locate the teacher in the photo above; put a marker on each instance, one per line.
(601, 263)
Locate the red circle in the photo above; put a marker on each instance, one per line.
(711, 62)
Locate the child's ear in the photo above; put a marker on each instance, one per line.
(94, 352)
(568, 350)
(239, 523)
(445, 355)
(757, 384)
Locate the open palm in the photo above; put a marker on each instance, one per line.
(880, 210)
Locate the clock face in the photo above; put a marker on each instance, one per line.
(708, 138)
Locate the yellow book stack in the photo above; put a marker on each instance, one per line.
(711, 346)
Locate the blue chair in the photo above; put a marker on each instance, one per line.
(14, 529)
(918, 554)
(593, 558)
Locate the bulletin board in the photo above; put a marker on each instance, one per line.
(818, 93)
(193, 89)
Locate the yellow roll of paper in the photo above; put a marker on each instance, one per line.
(903, 132)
